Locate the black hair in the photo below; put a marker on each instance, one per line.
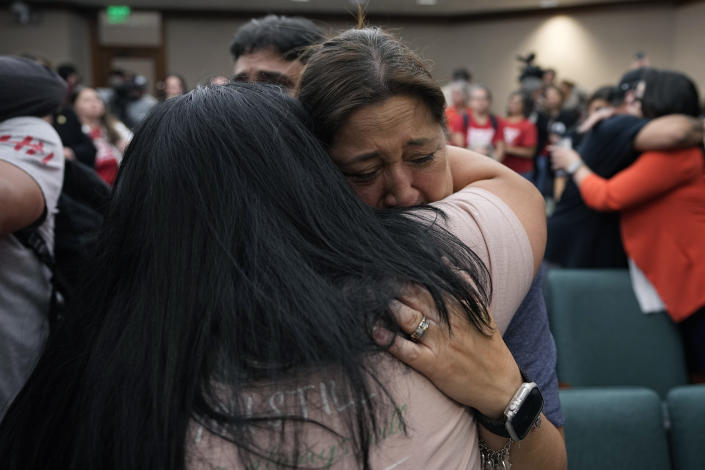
(233, 254)
(65, 70)
(628, 82)
(608, 93)
(669, 92)
(461, 74)
(290, 36)
(28, 88)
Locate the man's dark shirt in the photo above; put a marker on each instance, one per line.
(69, 128)
(579, 237)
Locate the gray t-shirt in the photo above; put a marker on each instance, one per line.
(33, 146)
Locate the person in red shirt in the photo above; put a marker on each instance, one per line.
(519, 137)
(478, 130)
(459, 92)
(109, 135)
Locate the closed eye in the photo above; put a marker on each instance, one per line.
(362, 178)
(423, 159)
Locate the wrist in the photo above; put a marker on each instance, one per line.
(520, 415)
(573, 167)
(505, 390)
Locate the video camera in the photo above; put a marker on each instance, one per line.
(531, 74)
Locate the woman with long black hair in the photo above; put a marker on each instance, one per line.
(230, 317)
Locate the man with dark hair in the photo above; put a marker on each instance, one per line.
(579, 237)
(273, 49)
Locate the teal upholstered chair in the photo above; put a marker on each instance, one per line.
(603, 338)
(686, 407)
(614, 429)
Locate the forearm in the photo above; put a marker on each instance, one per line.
(670, 132)
(468, 167)
(543, 447)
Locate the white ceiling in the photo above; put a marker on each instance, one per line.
(394, 7)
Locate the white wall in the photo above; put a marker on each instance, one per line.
(590, 46)
(59, 36)
(689, 32)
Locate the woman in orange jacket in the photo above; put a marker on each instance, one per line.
(661, 199)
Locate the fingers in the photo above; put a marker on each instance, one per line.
(419, 298)
(408, 318)
(412, 354)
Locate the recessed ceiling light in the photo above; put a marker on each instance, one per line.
(300, 1)
(549, 3)
(426, 3)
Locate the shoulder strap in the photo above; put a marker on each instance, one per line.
(493, 121)
(466, 121)
(31, 239)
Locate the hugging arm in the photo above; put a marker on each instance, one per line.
(470, 168)
(670, 132)
(653, 174)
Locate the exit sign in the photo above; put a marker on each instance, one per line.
(118, 14)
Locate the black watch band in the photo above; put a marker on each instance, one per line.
(520, 415)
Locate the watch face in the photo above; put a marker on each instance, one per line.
(527, 414)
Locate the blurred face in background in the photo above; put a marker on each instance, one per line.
(88, 104)
(480, 101)
(394, 154)
(553, 98)
(633, 99)
(172, 86)
(596, 105)
(458, 96)
(549, 76)
(515, 106)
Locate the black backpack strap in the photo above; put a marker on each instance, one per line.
(466, 122)
(493, 121)
(31, 239)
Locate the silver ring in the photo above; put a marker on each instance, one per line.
(420, 330)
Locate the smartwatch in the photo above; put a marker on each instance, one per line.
(521, 414)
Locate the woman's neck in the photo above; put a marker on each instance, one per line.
(88, 121)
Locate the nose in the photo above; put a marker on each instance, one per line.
(399, 188)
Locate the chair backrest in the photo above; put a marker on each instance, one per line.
(603, 338)
(686, 406)
(614, 429)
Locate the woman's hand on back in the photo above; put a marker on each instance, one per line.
(470, 367)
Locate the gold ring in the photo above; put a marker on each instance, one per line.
(420, 330)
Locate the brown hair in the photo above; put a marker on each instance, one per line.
(108, 120)
(358, 68)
